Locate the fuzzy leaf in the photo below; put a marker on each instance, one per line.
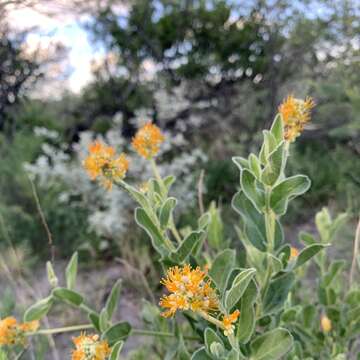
(200, 355)
(240, 162)
(211, 337)
(274, 166)
(247, 320)
(277, 293)
(305, 255)
(238, 288)
(115, 350)
(38, 310)
(253, 193)
(277, 129)
(267, 147)
(272, 345)
(221, 268)
(157, 238)
(287, 190)
(113, 299)
(69, 296)
(71, 272)
(186, 247)
(117, 332)
(166, 211)
(255, 165)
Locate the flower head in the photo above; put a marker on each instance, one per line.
(89, 347)
(13, 333)
(103, 163)
(188, 291)
(147, 140)
(295, 114)
(228, 321)
(325, 324)
(294, 252)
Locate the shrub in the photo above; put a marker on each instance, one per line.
(232, 311)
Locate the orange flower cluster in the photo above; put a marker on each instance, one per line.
(147, 140)
(228, 321)
(103, 163)
(88, 347)
(13, 333)
(295, 114)
(188, 291)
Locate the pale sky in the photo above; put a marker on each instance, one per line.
(66, 30)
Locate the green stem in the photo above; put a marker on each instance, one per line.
(62, 329)
(142, 332)
(135, 332)
(211, 319)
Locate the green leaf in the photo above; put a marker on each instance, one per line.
(137, 195)
(200, 355)
(38, 310)
(115, 350)
(247, 319)
(251, 190)
(277, 129)
(277, 265)
(335, 268)
(221, 268)
(308, 316)
(69, 296)
(267, 147)
(52, 278)
(113, 299)
(215, 229)
(166, 211)
(277, 293)
(275, 165)
(240, 162)
(255, 165)
(254, 223)
(71, 272)
(217, 350)
(211, 337)
(157, 239)
(117, 332)
(168, 181)
(103, 320)
(238, 288)
(95, 320)
(272, 345)
(305, 255)
(186, 247)
(306, 238)
(287, 190)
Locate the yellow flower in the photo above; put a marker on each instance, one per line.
(294, 253)
(228, 321)
(88, 347)
(147, 140)
(325, 324)
(13, 333)
(103, 163)
(295, 114)
(188, 291)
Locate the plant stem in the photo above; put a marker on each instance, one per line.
(62, 329)
(136, 332)
(211, 319)
(142, 332)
